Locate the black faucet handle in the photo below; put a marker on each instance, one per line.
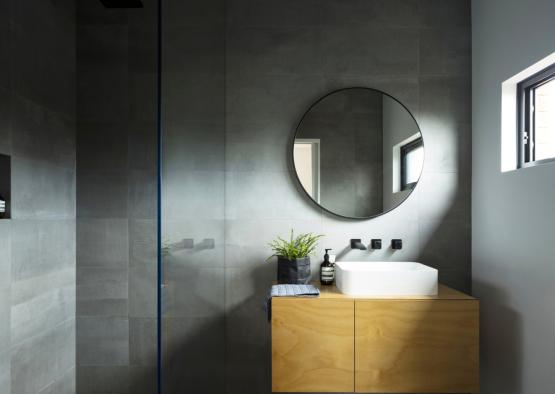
(397, 244)
(376, 244)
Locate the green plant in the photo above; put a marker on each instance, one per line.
(297, 247)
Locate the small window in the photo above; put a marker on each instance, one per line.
(536, 118)
(412, 160)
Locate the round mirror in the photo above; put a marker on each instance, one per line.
(358, 152)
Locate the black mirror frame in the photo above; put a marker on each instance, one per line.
(292, 146)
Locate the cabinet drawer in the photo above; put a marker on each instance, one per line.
(416, 346)
(312, 345)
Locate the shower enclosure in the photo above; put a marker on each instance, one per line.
(151, 277)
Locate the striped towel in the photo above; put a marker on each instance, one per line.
(289, 291)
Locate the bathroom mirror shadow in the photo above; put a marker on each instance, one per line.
(358, 152)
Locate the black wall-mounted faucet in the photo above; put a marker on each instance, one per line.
(396, 244)
(357, 244)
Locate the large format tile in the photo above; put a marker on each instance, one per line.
(274, 13)
(194, 242)
(444, 196)
(382, 13)
(278, 101)
(102, 291)
(198, 49)
(270, 51)
(143, 243)
(143, 104)
(5, 323)
(445, 51)
(445, 98)
(5, 254)
(41, 190)
(66, 384)
(199, 344)
(38, 360)
(41, 134)
(193, 291)
(102, 194)
(143, 380)
(196, 97)
(193, 146)
(143, 284)
(42, 313)
(102, 146)
(45, 74)
(193, 194)
(5, 371)
(266, 195)
(41, 246)
(143, 194)
(446, 245)
(445, 13)
(5, 129)
(142, 145)
(366, 50)
(103, 341)
(102, 242)
(143, 341)
(102, 379)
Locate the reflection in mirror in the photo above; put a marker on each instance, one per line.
(358, 152)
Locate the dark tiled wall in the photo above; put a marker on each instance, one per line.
(37, 246)
(227, 174)
(283, 55)
(238, 75)
(116, 199)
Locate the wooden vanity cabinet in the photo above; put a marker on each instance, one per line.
(337, 343)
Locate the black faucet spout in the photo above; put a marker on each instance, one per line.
(357, 244)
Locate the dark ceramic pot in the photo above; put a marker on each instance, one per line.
(295, 271)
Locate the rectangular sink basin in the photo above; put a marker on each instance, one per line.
(385, 278)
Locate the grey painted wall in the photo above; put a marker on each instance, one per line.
(513, 215)
(37, 246)
(116, 199)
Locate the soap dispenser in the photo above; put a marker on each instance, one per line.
(327, 270)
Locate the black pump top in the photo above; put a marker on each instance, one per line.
(327, 256)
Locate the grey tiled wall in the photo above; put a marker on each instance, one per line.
(37, 246)
(116, 199)
(238, 75)
(228, 174)
(280, 57)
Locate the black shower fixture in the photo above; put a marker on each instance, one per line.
(122, 3)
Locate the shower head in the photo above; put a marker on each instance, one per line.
(122, 3)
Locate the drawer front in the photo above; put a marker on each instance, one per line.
(416, 346)
(312, 345)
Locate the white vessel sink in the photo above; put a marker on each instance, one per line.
(385, 278)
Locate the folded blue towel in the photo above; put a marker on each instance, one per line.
(289, 291)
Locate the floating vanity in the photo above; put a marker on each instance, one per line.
(371, 344)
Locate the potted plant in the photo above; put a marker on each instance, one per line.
(294, 257)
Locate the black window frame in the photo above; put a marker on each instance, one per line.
(526, 127)
(405, 150)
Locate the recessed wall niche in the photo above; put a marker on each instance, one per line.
(5, 187)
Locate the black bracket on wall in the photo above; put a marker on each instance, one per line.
(5, 187)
